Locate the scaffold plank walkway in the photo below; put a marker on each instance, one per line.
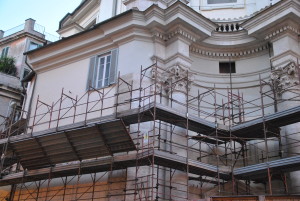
(118, 162)
(276, 166)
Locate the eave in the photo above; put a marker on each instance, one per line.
(85, 5)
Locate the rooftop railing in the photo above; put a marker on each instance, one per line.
(28, 26)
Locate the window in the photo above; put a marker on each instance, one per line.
(220, 1)
(4, 52)
(221, 4)
(227, 67)
(33, 46)
(102, 72)
(26, 71)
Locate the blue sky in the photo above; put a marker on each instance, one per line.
(47, 13)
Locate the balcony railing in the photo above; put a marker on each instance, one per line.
(36, 27)
(14, 30)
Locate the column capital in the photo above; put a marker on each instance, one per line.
(174, 79)
(284, 77)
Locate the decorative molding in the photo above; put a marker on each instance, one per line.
(271, 15)
(179, 31)
(223, 54)
(175, 79)
(285, 77)
(281, 30)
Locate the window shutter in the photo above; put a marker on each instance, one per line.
(91, 76)
(113, 67)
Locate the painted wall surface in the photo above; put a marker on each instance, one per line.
(72, 79)
(133, 55)
(16, 50)
(245, 81)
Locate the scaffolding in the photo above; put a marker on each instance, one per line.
(161, 138)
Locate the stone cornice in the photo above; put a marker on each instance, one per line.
(180, 12)
(171, 58)
(282, 10)
(230, 39)
(289, 53)
(281, 30)
(80, 11)
(174, 32)
(224, 54)
(22, 34)
(69, 27)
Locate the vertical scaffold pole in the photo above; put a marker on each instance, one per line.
(187, 132)
(217, 137)
(265, 134)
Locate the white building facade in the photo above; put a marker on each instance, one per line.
(216, 93)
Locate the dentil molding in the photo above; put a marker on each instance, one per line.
(281, 30)
(233, 53)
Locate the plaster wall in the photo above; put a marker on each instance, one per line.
(133, 55)
(284, 44)
(72, 78)
(245, 80)
(16, 50)
(106, 10)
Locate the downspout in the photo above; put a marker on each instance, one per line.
(33, 89)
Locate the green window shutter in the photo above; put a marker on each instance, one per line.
(4, 52)
(113, 67)
(92, 74)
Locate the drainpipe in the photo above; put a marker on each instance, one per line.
(33, 89)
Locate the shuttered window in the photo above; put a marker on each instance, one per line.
(102, 71)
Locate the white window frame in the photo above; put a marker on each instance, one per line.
(103, 70)
(206, 6)
(102, 80)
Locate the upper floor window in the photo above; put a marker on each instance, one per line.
(219, 4)
(26, 71)
(4, 52)
(102, 72)
(227, 67)
(220, 1)
(33, 46)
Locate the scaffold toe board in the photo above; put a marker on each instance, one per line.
(95, 140)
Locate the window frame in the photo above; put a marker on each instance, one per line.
(109, 74)
(105, 72)
(206, 6)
